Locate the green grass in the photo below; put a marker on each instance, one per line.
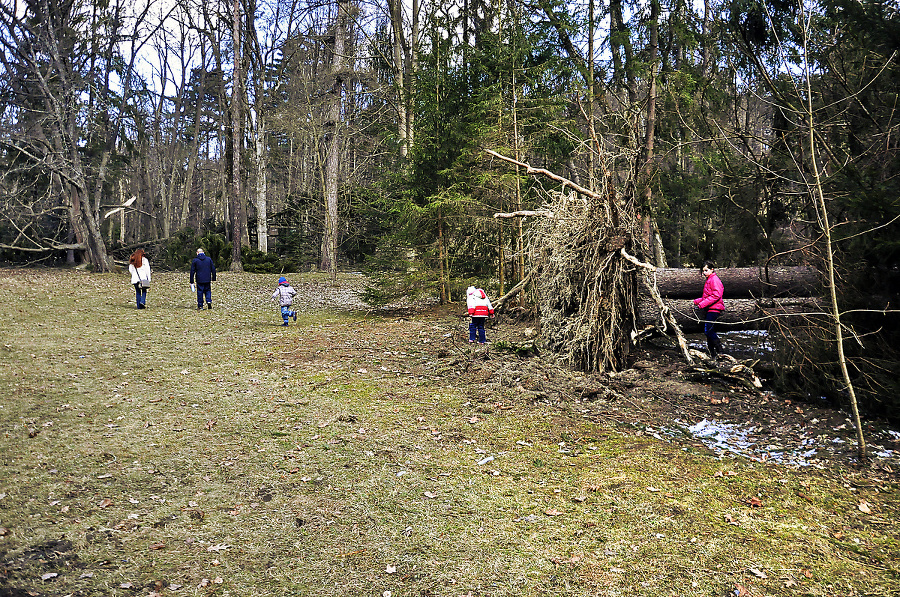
(216, 453)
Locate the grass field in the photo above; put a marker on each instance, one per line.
(174, 452)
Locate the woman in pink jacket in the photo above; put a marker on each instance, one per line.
(480, 308)
(712, 303)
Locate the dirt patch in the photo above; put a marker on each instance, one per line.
(659, 395)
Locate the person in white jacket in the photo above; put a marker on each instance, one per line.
(139, 266)
(480, 308)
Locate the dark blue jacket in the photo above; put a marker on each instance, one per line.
(204, 269)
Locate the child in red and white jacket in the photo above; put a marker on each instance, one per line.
(480, 308)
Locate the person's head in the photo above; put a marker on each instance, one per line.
(200, 252)
(137, 258)
(707, 268)
(282, 281)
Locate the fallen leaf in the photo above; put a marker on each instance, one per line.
(758, 573)
(729, 519)
(740, 591)
(218, 580)
(552, 512)
(430, 495)
(158, 546)
(390, 569)
(754, 502)
(49, 575)
(218, 547)
(474, 420)
(105, 503)
(653, 489)
(126, 585)
(806, 573)
(864, 508)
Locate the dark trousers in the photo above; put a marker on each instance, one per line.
(476, 329)
(204, 290)
(140, 295)
(709, 328)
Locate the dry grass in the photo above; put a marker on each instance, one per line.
(215, 453)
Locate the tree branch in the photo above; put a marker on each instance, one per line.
(560, 179)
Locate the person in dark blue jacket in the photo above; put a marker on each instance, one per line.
(204, 270)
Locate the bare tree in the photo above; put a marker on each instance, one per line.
(333, 134)
(59, 60)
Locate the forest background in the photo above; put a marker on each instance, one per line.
(286, 135)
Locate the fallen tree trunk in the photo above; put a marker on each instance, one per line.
(741, 314)
(741, 282)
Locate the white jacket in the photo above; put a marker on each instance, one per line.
(285, 295)
(140, 273)
(477, 303)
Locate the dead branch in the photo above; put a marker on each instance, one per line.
(560, 179)
(513, 292)
(524, 214)
(54, 247)
(667, 317)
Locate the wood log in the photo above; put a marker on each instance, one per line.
(740, 314)
(741, 282)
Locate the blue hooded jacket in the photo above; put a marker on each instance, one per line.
(203, 268)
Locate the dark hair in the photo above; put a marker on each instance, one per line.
(137, 258)
(707, 264)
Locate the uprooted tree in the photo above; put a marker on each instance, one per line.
(586, 277)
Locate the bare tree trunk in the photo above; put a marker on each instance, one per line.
(262, 224)
(742, 282)
(818, 196)
(396, 9)
(441, 254)
(330, 236)
(237, 141)
(649, 136)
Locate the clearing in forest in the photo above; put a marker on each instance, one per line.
(174, 452)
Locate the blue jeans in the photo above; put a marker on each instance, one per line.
(204, 291)
(140, 295)
(476, 329)
(709, 327)
(286, 313)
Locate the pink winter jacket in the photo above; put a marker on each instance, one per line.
(713, 291)
(478, 304)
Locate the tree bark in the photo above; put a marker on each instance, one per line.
(740, 314)
(332, 164)
(741, 282)
(262, 224)
(237, 140)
